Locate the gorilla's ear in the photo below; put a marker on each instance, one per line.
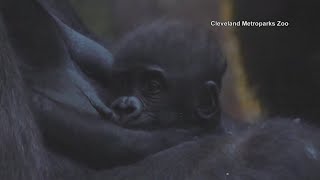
(33, 33)
(209, 106)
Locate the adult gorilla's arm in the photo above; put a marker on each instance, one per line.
(277, 149)
(22, 155)
(65, 104)
(45, 59)
(19, 149)
(66, 13)
(100, 144)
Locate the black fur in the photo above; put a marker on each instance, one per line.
(167, 74)
(275, 149)
(56, 63)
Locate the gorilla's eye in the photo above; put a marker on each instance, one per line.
(152, 86)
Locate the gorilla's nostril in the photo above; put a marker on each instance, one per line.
(127, 107)
(123, 108)
(129, 110)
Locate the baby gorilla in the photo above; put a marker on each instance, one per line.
(167, 74)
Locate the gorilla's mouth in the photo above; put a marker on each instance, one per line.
(137, 122)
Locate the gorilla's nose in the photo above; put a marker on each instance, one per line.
(127, 107)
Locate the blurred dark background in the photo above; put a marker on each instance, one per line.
(273, 71)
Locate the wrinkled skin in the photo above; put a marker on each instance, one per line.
(167, 74)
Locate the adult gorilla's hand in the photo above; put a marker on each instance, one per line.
(48, 66)
(100, 144)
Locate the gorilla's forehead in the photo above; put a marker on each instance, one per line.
(169, 70)
(178, 50)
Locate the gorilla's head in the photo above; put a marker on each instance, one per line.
(167, 74)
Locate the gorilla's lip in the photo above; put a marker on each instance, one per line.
(131, 122)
